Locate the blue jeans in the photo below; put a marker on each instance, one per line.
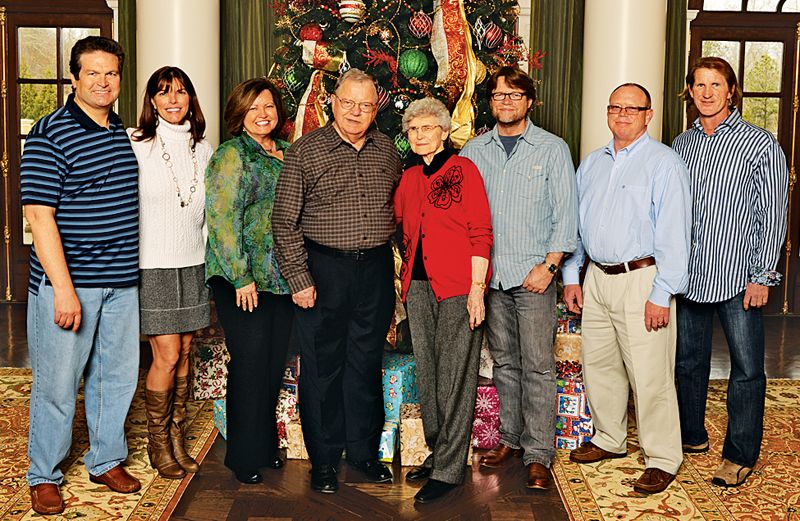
(747, 386)
(521, 326)
(105, 351)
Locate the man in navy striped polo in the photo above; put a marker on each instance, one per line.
(80, 195)
(739, 182)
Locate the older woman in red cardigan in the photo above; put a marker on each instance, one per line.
(447, 239)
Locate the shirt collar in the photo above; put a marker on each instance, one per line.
(85, 121)
(438, 161)
(633, 147)
(529, 134)
(725, 126)
(252, 145)
(333, 139)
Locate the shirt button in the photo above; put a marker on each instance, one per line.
(363, 195)
(365, 237)
(439, 298)
(423, 235)
(425, 257)
(423, 214)
(365, 216)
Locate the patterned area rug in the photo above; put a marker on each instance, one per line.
(603, 491)
(84, 499)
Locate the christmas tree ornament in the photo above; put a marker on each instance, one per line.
(483, 130)
(311, 31)
(420, 24)
(352, 11)
(478, 29)
(401, 102)
(345, 65)
(385, 35)
(413, 63)
(402, 145)
(493, 35)
(383, 98)
(290, 79)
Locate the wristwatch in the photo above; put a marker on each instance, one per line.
(552, 268)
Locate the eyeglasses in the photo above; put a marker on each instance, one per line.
(513, 96)
(348, 104)
(424, 129)
(628, 111)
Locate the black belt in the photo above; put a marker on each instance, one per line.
(356, 255)
(625, 267)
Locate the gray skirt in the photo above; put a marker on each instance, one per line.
(173, 300)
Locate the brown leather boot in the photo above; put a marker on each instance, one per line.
(158, 405)
(176, 426)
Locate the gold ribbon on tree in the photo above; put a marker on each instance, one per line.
(310, 111)
(458, 68)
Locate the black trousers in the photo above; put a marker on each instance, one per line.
(257, 343)
(341, 344)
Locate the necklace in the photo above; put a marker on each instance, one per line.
(168, 161)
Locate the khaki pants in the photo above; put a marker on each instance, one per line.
(617, 349)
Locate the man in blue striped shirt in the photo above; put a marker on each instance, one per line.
(530, 182)
(739, 187)
(635, 206)
(79, 180)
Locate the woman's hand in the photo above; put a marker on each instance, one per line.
(475, 307)
(247, 297)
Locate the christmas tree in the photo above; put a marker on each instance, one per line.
(444, 49)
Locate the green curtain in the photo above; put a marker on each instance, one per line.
(247, 44)
(674, 121)
(557, 29)
(128, 104)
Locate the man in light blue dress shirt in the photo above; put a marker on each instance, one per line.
(634, 224)
(530, 182)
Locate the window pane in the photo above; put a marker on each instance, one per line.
(722, 5)
(35, 101)
(791, 6)
(37, 52)
(729, 51)
(762, 112)
(762, 66)
(67, 89)
(70, 35)
(770, 6)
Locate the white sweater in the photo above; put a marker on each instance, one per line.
(171, 236)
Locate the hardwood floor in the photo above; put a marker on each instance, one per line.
(499, 494)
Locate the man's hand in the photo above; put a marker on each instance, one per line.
(475, 307)
(755, 295)
(573, 298)
(247, 297)
(655, 317)
(68, 309)
(305, 298)
(538, 279)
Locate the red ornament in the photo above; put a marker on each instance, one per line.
(420, 24)
(383, 98)
(493, 35)
(311, 31)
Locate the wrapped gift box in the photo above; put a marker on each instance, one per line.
(209, 368)
(413, 448)
(296, 448)
(573, 420)
(291, 373)
(399, 383)
(568, 322)
(285, 412)
(486, 367)
(486, 425)
(219, 418)
(390, 438)
(567, 347)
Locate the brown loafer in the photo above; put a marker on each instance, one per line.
(46, 499)
(118, 480)
(538, 476)
(591, 453)
(652, 481)
(498, 455)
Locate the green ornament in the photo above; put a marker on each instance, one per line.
(290, 78)
(413, 63)
(402, 145)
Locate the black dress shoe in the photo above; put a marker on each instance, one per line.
(276, 463)
(418, 474)
(323, 479)
(433, 490)
(249, 477)
(375, 471)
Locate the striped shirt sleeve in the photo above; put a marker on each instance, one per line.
(41, 172)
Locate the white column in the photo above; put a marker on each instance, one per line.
(183, 33)
(624, 41)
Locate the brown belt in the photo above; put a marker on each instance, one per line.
(616, 269)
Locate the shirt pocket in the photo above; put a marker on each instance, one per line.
(531, 183)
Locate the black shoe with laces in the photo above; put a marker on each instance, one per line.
(375, 471)
(323, 479)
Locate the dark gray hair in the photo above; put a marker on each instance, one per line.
(427, 107)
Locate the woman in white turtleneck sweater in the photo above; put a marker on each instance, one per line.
(173, 298)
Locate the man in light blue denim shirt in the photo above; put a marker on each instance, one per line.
(635, 215)
(530, 182)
